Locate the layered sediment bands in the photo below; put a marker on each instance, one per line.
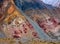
(46, 16)
(48, 20)
(15, 25)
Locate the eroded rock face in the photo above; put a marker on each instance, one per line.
(18, 29)
(47, 18)
(15, 25)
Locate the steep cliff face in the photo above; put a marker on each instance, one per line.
(37, 10)
(43, 14)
